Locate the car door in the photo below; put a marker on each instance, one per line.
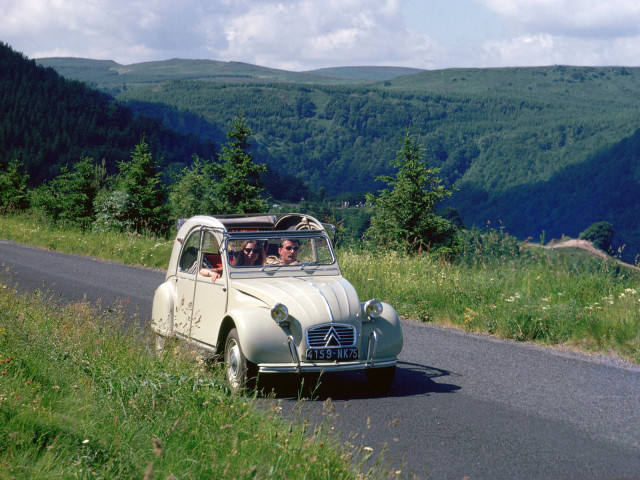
(186, 283)
(210, 300)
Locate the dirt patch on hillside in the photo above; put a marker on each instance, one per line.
(584, 245)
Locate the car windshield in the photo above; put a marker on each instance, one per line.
(258, 251)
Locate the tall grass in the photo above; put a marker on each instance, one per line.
(129, 248)
(546, 297)
(82, 398)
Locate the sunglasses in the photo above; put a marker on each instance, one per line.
(289, 247)
(251, 250)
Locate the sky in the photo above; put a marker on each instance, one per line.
(300, 35)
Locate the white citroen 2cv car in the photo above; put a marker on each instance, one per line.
(266, 293)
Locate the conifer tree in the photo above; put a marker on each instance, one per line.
(194, 190)
(404, 216)
(69, 196)
(140, 179)
(13, 187)
(239, 189)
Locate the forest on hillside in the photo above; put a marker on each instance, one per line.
(542, 153)
(48, 122)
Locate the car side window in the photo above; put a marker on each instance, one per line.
(189, 254)
(210, 250)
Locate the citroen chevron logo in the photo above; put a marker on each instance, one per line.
(332, 338)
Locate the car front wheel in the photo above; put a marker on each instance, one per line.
(240, 372)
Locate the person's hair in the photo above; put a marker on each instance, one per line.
(242, 258)
(292, 240)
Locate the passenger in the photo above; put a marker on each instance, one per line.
(251, 253)
(209, 270)
(287, 253)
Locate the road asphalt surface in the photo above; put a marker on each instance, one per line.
(462, 405)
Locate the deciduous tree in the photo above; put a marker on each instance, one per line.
(601, 234)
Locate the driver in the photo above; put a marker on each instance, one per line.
(287, 253)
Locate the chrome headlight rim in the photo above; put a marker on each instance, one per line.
(280, 314)
(373, 308)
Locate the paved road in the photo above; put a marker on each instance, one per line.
(461, 404)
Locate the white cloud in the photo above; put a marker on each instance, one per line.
(546, 32)
(301, 34)
(308, 34)
(311, 34)
(545, 49)
(580, 18)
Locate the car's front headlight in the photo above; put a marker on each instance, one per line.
(373, 308)
(280, 314)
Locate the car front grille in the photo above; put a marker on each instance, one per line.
(331, 335)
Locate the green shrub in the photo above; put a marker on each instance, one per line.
(114, 212)
(600, 234)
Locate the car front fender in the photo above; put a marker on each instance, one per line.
(162, 313)
(388, 331)
(262, 340)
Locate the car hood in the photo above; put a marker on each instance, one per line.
(316, 299)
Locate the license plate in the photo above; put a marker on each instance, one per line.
(343, 353)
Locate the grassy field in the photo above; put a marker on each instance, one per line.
(552, 299)
(81, 398)
(563, 298)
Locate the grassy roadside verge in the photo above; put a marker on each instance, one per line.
(79, 398)
(128, 248)
(551, 298)
(543, 296)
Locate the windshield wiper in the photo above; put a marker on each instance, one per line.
(308, 264)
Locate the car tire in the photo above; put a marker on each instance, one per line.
(240, 372)
(381, 378)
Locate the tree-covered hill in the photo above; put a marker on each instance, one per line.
(494, 133)
(47, 122)
(605, 187)
(495, 136)
(369, 74)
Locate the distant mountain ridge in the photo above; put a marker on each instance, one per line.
(106, 72)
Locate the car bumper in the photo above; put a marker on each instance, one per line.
(304, 367)
(298, 366)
